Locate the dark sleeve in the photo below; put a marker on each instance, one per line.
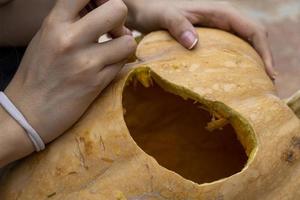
(10, 59)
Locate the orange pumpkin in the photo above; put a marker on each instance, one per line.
(176, 125)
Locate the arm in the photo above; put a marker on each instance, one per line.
(14, 142)
(179, 16)
(63, 70)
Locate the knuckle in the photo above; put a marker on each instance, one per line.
(49, 22)
(173, 21)
(65, 42)
(130, 43)
(176, 22)
(120, 8)
(84, 62)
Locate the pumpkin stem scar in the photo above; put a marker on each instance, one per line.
(221, 114)
(294, 103)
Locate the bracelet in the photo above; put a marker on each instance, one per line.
(17, 115)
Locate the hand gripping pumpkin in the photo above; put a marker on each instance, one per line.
(175, 125)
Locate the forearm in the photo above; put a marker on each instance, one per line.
(20, 20)
(14, 142)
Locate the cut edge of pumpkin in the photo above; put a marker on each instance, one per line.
(294, 103)
(222, 114)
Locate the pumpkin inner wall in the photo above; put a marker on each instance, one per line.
(172, 130)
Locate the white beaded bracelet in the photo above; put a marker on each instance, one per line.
(17, 115)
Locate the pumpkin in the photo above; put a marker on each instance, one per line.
(177, 125)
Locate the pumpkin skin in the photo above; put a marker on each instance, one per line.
(294, 103)
(98, 158)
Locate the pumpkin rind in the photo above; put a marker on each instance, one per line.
(294, 103)
(98, 159)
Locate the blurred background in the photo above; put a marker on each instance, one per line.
(282, 18)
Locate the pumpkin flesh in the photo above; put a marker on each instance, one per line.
(174, 131)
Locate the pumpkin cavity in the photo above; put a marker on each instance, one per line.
(182, 134)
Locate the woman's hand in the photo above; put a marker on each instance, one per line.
(64, 68)
(178, 17)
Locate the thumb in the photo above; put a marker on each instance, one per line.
(181, 29)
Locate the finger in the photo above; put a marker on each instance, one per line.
(119, 32)
(107, 74)
(101, 20)
(68, 9)
(223, 15)
(180, 28)
(127, 31)
(257, 36)
(259, 42)
(110, 52)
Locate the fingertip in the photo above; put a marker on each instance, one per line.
(188, 39)
(181, 28)
(274, 75)
(267, 57)
(131, 44)
(272, 72)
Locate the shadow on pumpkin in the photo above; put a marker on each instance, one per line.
(172, 130)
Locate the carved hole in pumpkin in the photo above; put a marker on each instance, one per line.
(172, 130)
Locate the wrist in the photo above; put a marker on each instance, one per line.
(29, 101)
(14, 141)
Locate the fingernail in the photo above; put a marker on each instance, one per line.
(189, 39)
(273, 78)
(275, 74)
